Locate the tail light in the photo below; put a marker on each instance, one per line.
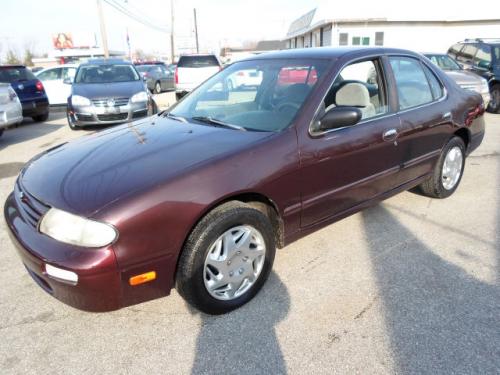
(176, 75)
(39, 86)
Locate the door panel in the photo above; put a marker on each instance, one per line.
(347, 167)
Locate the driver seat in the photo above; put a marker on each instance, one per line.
(355, 95)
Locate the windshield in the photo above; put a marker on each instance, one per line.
(262, 95)
(143, 68)
(13, 74)
(106, 73)
(444, 62)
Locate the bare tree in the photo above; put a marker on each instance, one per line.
(29, 53)
(11, 57)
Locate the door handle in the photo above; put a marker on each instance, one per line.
(447, 116)
(390, 135)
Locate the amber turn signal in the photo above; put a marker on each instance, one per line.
(142, 278)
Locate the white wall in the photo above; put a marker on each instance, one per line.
(419, 38)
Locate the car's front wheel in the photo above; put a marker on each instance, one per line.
(157, 88)
(448, 171)
(226, 259)
(71, 123)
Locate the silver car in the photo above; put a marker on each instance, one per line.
(11, 111)
(463, 78)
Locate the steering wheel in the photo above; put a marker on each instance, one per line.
(280, 107)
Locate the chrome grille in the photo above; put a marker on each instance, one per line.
(104, 102)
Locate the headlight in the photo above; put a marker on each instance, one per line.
(484, 86)
(80, 100)
(76, 230)
(139, 97)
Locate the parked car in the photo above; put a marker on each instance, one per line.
(107, 91)
(29, 89)
(244, 79)
(464, 78)
(36, 69)
(199, 197)
(158, 77)
(481, 56)
(55, 81)
(11, 111)
(192, 70)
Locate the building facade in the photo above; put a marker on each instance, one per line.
(316, 29)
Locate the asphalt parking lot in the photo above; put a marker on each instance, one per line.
(409, 286)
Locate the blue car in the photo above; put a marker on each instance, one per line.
(29, 89)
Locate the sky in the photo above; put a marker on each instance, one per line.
(220, 22)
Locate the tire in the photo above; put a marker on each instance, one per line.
(71, 124)
(157, 89)
(438, 186)
(41, 118)
(494, 106)
(1, 132)
(192, 274)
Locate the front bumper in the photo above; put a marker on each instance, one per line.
(102, 285)
(99, 115)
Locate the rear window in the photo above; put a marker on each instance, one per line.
(10, 74)
(197, 61)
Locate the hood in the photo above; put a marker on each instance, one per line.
(464, 77)
(85, 175)
(108, 90)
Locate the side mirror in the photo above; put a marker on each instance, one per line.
(484, 65)
(339, 117)
(68, 81)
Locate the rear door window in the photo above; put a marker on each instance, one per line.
(468, 52)
(454, 51)
(411, 81)
(197, 61)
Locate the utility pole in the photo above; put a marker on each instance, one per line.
(196, 31)
(103, 29)
(172, 47)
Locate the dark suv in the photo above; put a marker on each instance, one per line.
(482, 56)
(29, 89)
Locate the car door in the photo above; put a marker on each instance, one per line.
(423, 112)
(168, 78)
(343, 168)
(51, 79)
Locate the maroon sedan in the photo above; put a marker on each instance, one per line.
(199, 197)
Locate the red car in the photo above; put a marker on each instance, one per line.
(199, 197)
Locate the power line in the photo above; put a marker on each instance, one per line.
(128, 13)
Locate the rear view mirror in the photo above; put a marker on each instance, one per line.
(339, 117)
(68, 81)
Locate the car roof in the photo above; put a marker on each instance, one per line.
(434, 53)
(60, 66)
(12, 66)
(328, 53)
(106, 62)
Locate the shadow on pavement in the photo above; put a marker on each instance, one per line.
(30, 129)
(439, 318)
(244, 341)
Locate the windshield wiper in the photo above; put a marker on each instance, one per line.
(173, 117)
(214, 121)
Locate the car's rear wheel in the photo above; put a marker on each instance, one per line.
(41, 118)
(157, 88)
(448, 171)
(71, 123)
(1, 132)
(226, 259)
(494, 106)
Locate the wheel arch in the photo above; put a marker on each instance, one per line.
(465, 135)
(256, 200)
